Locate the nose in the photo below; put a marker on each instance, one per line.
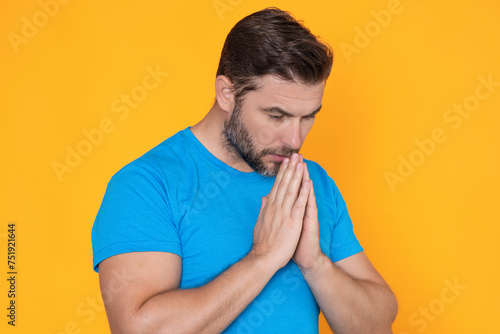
(292, 136)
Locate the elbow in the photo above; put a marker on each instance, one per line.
(391, 311)
(393, 308)
(134, 322)
(137, 325)
(383, 319)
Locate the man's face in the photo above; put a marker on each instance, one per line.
(272, 122)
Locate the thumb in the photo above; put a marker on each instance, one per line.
(264, 201)
(263, 204)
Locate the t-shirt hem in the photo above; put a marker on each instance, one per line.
(345, 252)
(130, 247)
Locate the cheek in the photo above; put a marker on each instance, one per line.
(266, 136)
(269, 133)
(305, 128)
(264, 131)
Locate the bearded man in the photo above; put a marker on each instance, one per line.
(225, 227)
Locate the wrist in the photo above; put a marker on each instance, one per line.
(315, 266)
(264, 262)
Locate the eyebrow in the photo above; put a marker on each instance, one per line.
(286, 113)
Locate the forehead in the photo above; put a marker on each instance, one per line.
(295, 97)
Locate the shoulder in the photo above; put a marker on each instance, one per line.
(320, 177)
(166, 161)
(325, 188)
(315, 169)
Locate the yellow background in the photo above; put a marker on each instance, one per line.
(440, 225)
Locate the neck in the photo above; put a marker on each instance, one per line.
(209, 131)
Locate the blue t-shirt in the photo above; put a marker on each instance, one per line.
(179, 198)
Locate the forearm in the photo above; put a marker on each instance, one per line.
(350, 305)
(209, 308)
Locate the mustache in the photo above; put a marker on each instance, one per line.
(284, 151)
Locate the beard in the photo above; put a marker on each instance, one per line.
(240, 144)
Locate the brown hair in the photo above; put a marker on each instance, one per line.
(271, 41)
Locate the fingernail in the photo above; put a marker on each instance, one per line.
(285, 161)
(295, 157)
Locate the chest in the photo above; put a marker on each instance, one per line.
(216, 218)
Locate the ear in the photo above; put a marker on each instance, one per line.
(223, 93)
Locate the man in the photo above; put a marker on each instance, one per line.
(224, 227)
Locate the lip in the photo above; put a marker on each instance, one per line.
(278, 158)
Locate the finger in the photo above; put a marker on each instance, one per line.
(283, 181)
(293, 188)
(306, 172)
(263, 202)
(311, 209)
(277, 181)
(299, 206)
(288, 175)
(306, 176)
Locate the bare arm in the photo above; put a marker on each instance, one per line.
(150, 301)
(353, 297)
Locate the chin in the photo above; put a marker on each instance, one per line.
(272, 169)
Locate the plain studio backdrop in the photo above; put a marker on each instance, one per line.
(408, 130)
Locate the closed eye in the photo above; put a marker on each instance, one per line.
(276, 116)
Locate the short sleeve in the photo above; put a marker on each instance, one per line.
(344, 242)
(135, 216)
